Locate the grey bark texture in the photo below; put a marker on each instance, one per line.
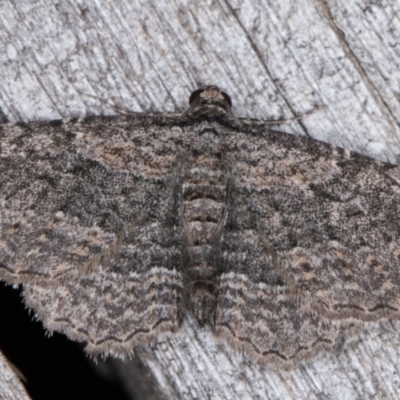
(276, 60)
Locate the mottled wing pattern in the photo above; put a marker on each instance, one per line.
(255, 310)
(68, 189)
(84, 227)
(330, 216)
(115, 306)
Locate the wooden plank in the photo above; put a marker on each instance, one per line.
(11, 387)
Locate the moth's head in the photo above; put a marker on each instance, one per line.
(209, 101)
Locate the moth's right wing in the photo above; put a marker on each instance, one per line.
(255, 308)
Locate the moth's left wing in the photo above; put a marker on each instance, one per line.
(69, 189)
(133, 299)
(86, 224)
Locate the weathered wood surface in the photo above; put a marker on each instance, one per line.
(11, 387)
(276, 60)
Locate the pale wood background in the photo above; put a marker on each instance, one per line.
(11, 387)
(276, 59)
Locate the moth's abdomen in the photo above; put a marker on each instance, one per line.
(204, 201)
(202, 216)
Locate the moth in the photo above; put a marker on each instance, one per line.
(119, 227)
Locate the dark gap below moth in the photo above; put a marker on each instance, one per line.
(119, 227)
